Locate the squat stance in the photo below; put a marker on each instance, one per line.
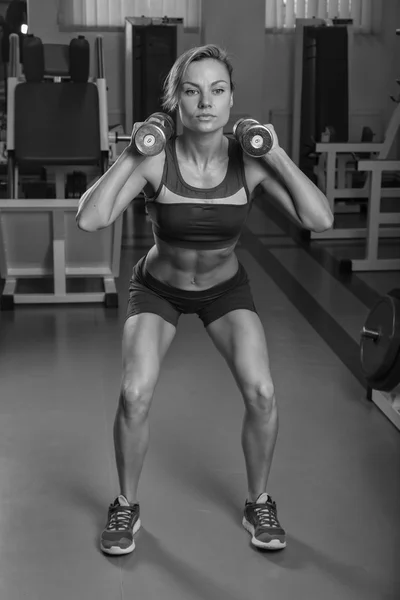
(198, 195)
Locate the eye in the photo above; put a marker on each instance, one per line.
(190, 92)
(219, 91)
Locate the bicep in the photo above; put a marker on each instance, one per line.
(279, 194)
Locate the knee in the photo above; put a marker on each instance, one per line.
(135, 398)
(260, 399)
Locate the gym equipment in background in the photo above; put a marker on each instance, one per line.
(380, 354)
(59, 122)
(151, 48)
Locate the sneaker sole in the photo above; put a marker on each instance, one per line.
(271, 545)
(116, 550)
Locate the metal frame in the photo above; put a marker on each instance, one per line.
(389, 404)
(60, 271)
(376, 218)
(331, 174)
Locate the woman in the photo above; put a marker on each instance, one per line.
(198, 195)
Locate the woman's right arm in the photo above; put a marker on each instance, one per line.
(106, 199)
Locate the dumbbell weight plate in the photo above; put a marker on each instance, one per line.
(165, 122)
(255, 139)
(379, 354)
(241, 125)
(150, 139)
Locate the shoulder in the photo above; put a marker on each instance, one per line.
(253, 170)
(151, 170)
(251, 165)
(153, 166)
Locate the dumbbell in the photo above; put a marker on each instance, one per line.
(255, 139)
(151, 137)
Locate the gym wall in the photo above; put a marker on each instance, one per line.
(263, 62)
(241, 31)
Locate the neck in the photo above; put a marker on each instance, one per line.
(202, 148)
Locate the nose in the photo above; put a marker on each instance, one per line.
(205, 100)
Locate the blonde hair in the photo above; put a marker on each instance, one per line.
(175, 75)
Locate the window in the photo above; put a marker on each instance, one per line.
(112, 13)
(282, 14)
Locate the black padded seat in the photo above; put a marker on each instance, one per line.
(57, 124)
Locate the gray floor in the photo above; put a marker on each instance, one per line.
(335, 475)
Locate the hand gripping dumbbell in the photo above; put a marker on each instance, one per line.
(151, 137)
(255, 139)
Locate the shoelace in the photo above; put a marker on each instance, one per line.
(267, 516)
(120, 518)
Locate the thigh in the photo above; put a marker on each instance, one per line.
(240, 338)
(142, 299)
(145, 341)
(237, 295)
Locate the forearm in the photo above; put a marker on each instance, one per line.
(96, 204)
(310, 203)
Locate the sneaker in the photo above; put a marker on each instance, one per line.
(260, 519)
(123, 522)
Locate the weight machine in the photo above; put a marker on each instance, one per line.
(57, 124)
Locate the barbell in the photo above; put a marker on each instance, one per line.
(380, 343)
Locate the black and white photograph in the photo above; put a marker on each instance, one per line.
(199, 299)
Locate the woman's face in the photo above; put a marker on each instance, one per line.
(204, 96)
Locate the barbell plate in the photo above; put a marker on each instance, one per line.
(378, 356)
(392, 379)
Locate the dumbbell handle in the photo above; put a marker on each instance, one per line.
(115, 137)
(372, 334)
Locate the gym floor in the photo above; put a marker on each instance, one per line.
(335, 475)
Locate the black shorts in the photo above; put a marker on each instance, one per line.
(147, 294)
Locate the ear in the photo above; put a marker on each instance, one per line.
(231, 101)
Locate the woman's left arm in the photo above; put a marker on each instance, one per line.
(287, 184)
